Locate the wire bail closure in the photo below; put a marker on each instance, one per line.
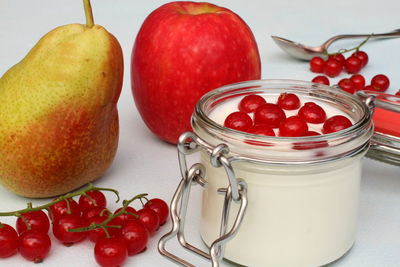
(190, 143)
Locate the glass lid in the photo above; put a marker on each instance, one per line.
(385, 143)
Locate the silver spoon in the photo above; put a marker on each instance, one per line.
(305, 52)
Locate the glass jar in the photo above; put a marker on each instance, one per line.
(302, 192)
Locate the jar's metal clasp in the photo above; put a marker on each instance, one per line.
(190, 143)
(385, 143)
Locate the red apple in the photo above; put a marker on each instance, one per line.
(183, 50)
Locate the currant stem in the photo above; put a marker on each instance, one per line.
(342, 51)
(90, 187)
(103, 225)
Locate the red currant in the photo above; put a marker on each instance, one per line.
(63, 224)
(317, 64)
(321, 79)
(34, 245)
(160, 207)
(338, 57)
(239, 121)
(312, 113)
(110, 252)
(124, 217)
(37, 220)
(332, 68)
(135, 235)
(380, 82)
(149, 219)
(398, 93)
(369, 88)
(92, 199)
(262, 129)
(269, 114)
(347, 85)
(61, 208)
(353, 64)
(335, 124)
(311, 133)
(96, 234)
(310, 145)
(359, 81)
(8, 240)
(288, 101)
(250, 103)
(362, 56)
(293, 126)
(94, 212)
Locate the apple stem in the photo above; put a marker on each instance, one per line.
(88, 13)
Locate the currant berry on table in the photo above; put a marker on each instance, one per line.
(92, 199)
(317, 64)
(362, 56)
(332, 68)
(353, 65)
(347, 85)
(339, 57)
(110, 252)
(160, 207)
(8, 240)
(358, 81)
(34, 245)
(35, 220)
(380, 82)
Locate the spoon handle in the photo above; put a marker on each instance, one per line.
(392, 34)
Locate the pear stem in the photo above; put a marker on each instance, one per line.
(88, 13)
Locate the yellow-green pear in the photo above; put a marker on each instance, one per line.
(58, 114)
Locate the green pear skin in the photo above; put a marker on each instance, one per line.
(58, 114)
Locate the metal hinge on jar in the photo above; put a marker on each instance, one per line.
(190, 143)
(385, 143)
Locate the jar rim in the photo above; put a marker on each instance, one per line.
(361, 127)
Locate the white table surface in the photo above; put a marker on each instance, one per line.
(145, 164)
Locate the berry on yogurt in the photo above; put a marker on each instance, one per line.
(239, 121)
(270, 114)
(335, 124)
(250, 103)
(312, 113)
(293, 126)
(288, 101)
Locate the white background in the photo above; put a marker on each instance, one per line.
(145, 164)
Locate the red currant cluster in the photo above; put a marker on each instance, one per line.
(256, 116)
(334, 65)
(116, 235)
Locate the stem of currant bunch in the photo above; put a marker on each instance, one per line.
(104, 225)
(30, 208)
(356, 48)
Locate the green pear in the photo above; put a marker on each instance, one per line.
(58, 114)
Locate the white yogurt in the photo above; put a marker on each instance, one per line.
(298, 214)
